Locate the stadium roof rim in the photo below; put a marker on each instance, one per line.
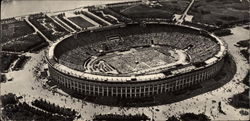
(147, 77)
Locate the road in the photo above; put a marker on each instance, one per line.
(181, 19)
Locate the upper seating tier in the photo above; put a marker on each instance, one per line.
(78, 48)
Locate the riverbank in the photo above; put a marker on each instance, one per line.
(17, 8)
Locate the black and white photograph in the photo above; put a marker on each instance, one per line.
(125, 60)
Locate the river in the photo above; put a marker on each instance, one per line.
(12, 8)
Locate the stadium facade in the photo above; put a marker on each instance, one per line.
(74, 76)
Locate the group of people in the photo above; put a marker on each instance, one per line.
(88, 44)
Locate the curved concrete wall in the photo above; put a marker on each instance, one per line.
(135, 89)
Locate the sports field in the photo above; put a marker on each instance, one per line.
(14, 30)
(80, 22)
(139, 59)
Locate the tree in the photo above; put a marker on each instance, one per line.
(173, 118)
(9, 98)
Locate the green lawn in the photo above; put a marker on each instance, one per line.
(80, 22)
(167, 9)
(218, 12)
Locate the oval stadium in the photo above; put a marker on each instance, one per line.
(135, 60)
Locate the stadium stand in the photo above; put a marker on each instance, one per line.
(85, 45)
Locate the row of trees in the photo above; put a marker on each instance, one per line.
(24, 112)
(55, 109)
(39, 47)
(222, 32)
(246, 79)
(24, 44)
(190, 117)
(245, 53)
(15, 110)
(9, 98)
(20, 63)
(244, 43)
(2, 77)
(7, 60)
(116, 117)
(241, 100)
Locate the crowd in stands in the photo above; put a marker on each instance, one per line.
(138, 62)
(97, 66)
(75, 58)
(77, 49)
